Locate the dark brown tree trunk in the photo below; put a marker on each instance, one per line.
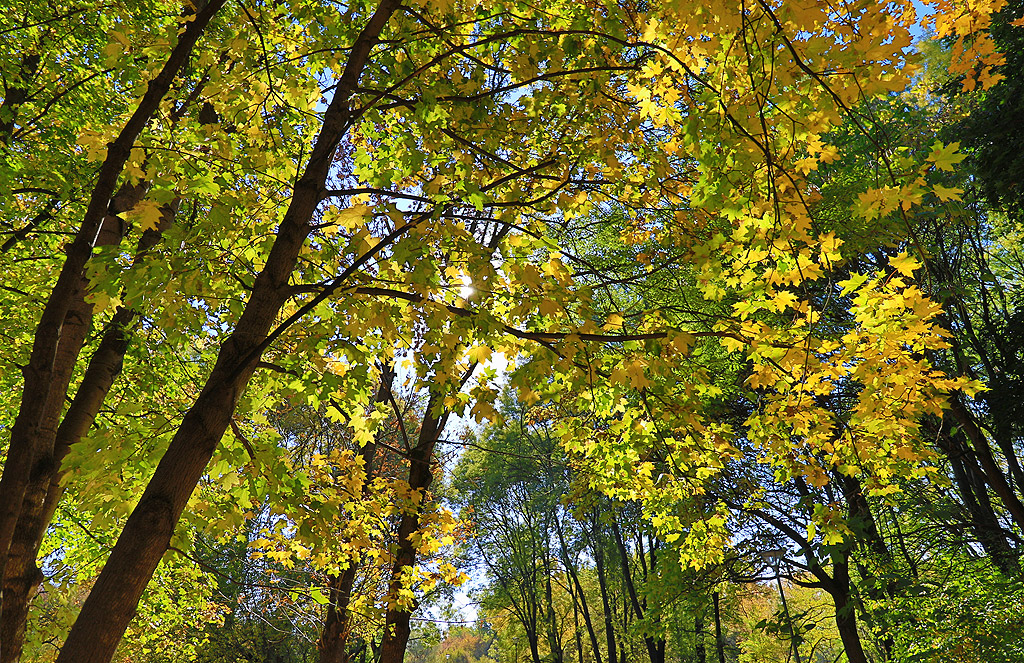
(46, 487)
(865, 527)
(602, 583)
(655, 647)
(576, 624)
(719, 637)
(973, 486)
(534, 641)
(846, 609)
(332, 647)
(56, 345)
(147, 533)
(396, 619)
(570, 568)
(983, 453)
(32, 462)
(698, 634)
(16, 94)
(556, 652)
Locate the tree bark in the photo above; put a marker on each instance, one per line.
(698, 634)
(602, 583)
(983, 453)
(54, 351)
(719, 638)
(846, 611)
(147, 533)
(332, 646)
(555, 649)
(16, 95)
(396, 619)
(655, 647)
(972, 485)
(570, 567)
(45, 487)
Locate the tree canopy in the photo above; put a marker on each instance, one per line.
(626, 312)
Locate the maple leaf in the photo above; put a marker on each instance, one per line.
(947, 194)
(904, 264)
(945, 156)
(479, 353)
(148, 215)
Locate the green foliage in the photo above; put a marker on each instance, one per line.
(973, 616)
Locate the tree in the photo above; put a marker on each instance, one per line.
(351, 168)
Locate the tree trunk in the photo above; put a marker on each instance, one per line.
(698, 635)
(147, 533)
(846, 610)
(332, 646)
(602, 583)
(570, 568)
(972, 485)
(983, 453)
(556, 652)
(16, 93)
(576, 624)
(719, 638)
(45, 487)
(655, 647)
(396, 619)
(58, 337)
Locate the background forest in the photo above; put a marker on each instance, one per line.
(484, 331)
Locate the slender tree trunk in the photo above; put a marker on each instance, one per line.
(557, 653)
(576, 624)
(16, 94)
(719, 638)
(55, 347)
(332, 646)
(983, 453)
(846, 609)
(534, 640)
(396, 619)
(654, 651)
(147, 533)
(333, 642)
(570, 568)
(972, 485)
(602, 583)
(698, 634)
(45, 487)
(860, 515)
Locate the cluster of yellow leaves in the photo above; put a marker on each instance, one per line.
(768, 81)
(332, 522)
(974, 54)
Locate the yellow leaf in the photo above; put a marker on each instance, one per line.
(636, 375)
(101, 301)
(853, 283)
(619, 376)
(904, 264)
(613, 322)
(945, 156)
(353, 217)
(731, 344)
(946, 194)
(148, 214)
